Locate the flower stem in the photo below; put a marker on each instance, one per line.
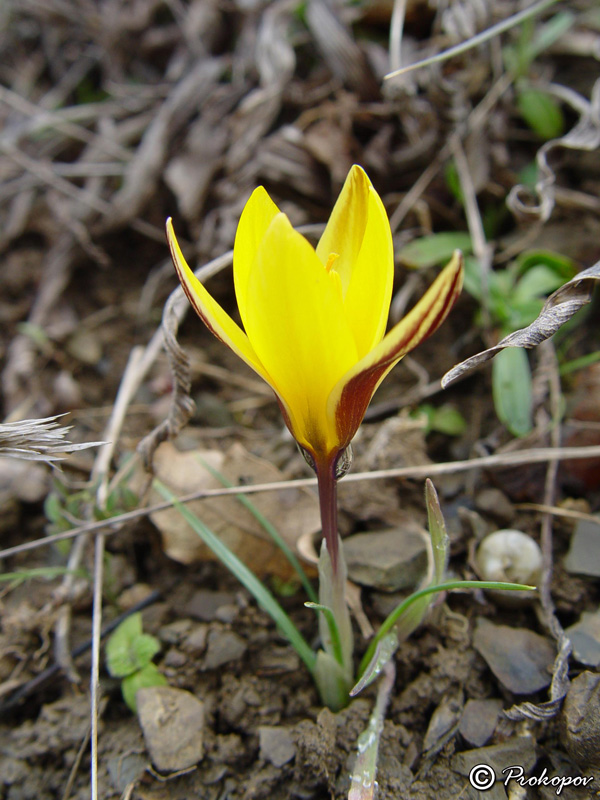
(327, 483)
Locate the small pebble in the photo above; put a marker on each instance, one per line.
(520, 659)
(223, 647)
(206, 604)
(478, 721)
(195, 641)
(172, 722)
(389, 560)
(276, 745)
(583, 557)
(585, 638)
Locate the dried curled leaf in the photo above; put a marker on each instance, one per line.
(585, 135)
(558, 309)
(38, 440)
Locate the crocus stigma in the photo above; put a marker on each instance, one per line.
(314, 319)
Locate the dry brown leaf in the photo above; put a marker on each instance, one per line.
(293, 512)
(558, 309)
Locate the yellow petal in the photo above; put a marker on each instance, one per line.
(345, 229)
(210, 312)
(367, 301)
(351, 396)
(296, 324)
(359, 232)
(256, 217)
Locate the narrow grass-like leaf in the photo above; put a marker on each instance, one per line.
(579, 363)
(384, 651)
(269, 528)
(396, 614)
(336, 645)
(39, 572)
(247, 578)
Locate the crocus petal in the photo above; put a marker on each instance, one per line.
(295, 321)
(359, 232)
(210, 312)
(345, 229)
(256, 217)
(367, 301)
(350, 397)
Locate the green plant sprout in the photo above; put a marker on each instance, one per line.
(538, 109)
(332, 666)
(129, 654)
(513, 297)
(516, 295)
(446, 419)
(64, 509)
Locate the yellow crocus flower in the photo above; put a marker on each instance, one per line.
(314, 319)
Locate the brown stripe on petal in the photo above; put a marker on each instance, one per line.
(191, 295)
(357, 393)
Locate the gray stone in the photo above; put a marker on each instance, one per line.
(172, 722)
(583, 557)
(519, 658)
(126, 769)
(276, 745)
(195, 641)
(390, 560)
(585, 638)
(443, 721)
(205, 604)
(223, 647)
(479, 720)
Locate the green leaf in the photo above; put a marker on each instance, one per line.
(121, 656)
(538, 281)
(47, 573)
(541, 112)
(546, 35)
(528, 176)
(557, 263)
(53, 507)
(392, 619)
(448, 420)
(428, 251)
(440, 541)
(453, 181)
(334, 632)
(512, 390)
(473, 277)
(384, 651)
(144, 648)
(332, 681)
(145, 678)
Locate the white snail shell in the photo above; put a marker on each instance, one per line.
(509, 556)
